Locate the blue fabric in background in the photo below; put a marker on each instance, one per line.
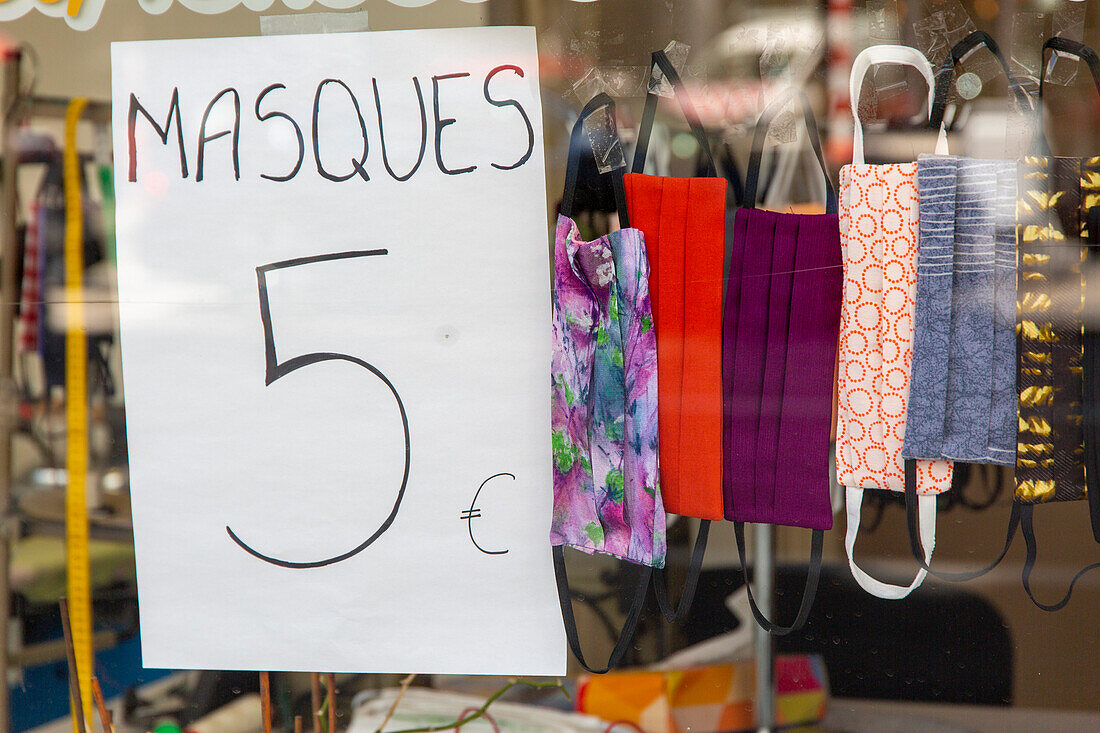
(962, 401)
(44, 693)
(970, 368)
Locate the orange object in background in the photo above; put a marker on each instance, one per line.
(684, 223)
(711, 698)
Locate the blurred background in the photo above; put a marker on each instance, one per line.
(982, 642)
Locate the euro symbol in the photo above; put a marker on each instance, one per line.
(474, 513)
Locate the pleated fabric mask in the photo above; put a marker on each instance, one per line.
(1057, 200)
(965, 301)
(878, 236)
(962, 402)
(683, 220)
(780, 327)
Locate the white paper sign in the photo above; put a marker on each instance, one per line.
(334, 286)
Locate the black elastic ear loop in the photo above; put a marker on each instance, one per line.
(752, 173)
(660, 60)
(578, 143)
(813, 575)
(732, 173)
(947, 72)
(701, 169)
(691, 582)
(1040, 146)
(630, 625)
(727, 167)
(914, 531)
(1028, 530)
(1090, 397)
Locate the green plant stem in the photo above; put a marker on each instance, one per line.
(480, 712)
(321, 714)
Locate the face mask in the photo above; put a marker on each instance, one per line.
(780, 327)
(683, 220)
(962, 402)
(1056, 199)
(965, 300)
(878, 234)
(604, 391)
(686, 293)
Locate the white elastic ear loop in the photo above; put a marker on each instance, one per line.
(926, 511)
(889, 54)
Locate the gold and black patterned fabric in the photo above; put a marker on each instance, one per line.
(1058, 201)
(1057, 218)
(1055, 195)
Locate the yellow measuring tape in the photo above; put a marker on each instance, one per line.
(76, 408)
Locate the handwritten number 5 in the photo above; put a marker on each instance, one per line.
(277, 370)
